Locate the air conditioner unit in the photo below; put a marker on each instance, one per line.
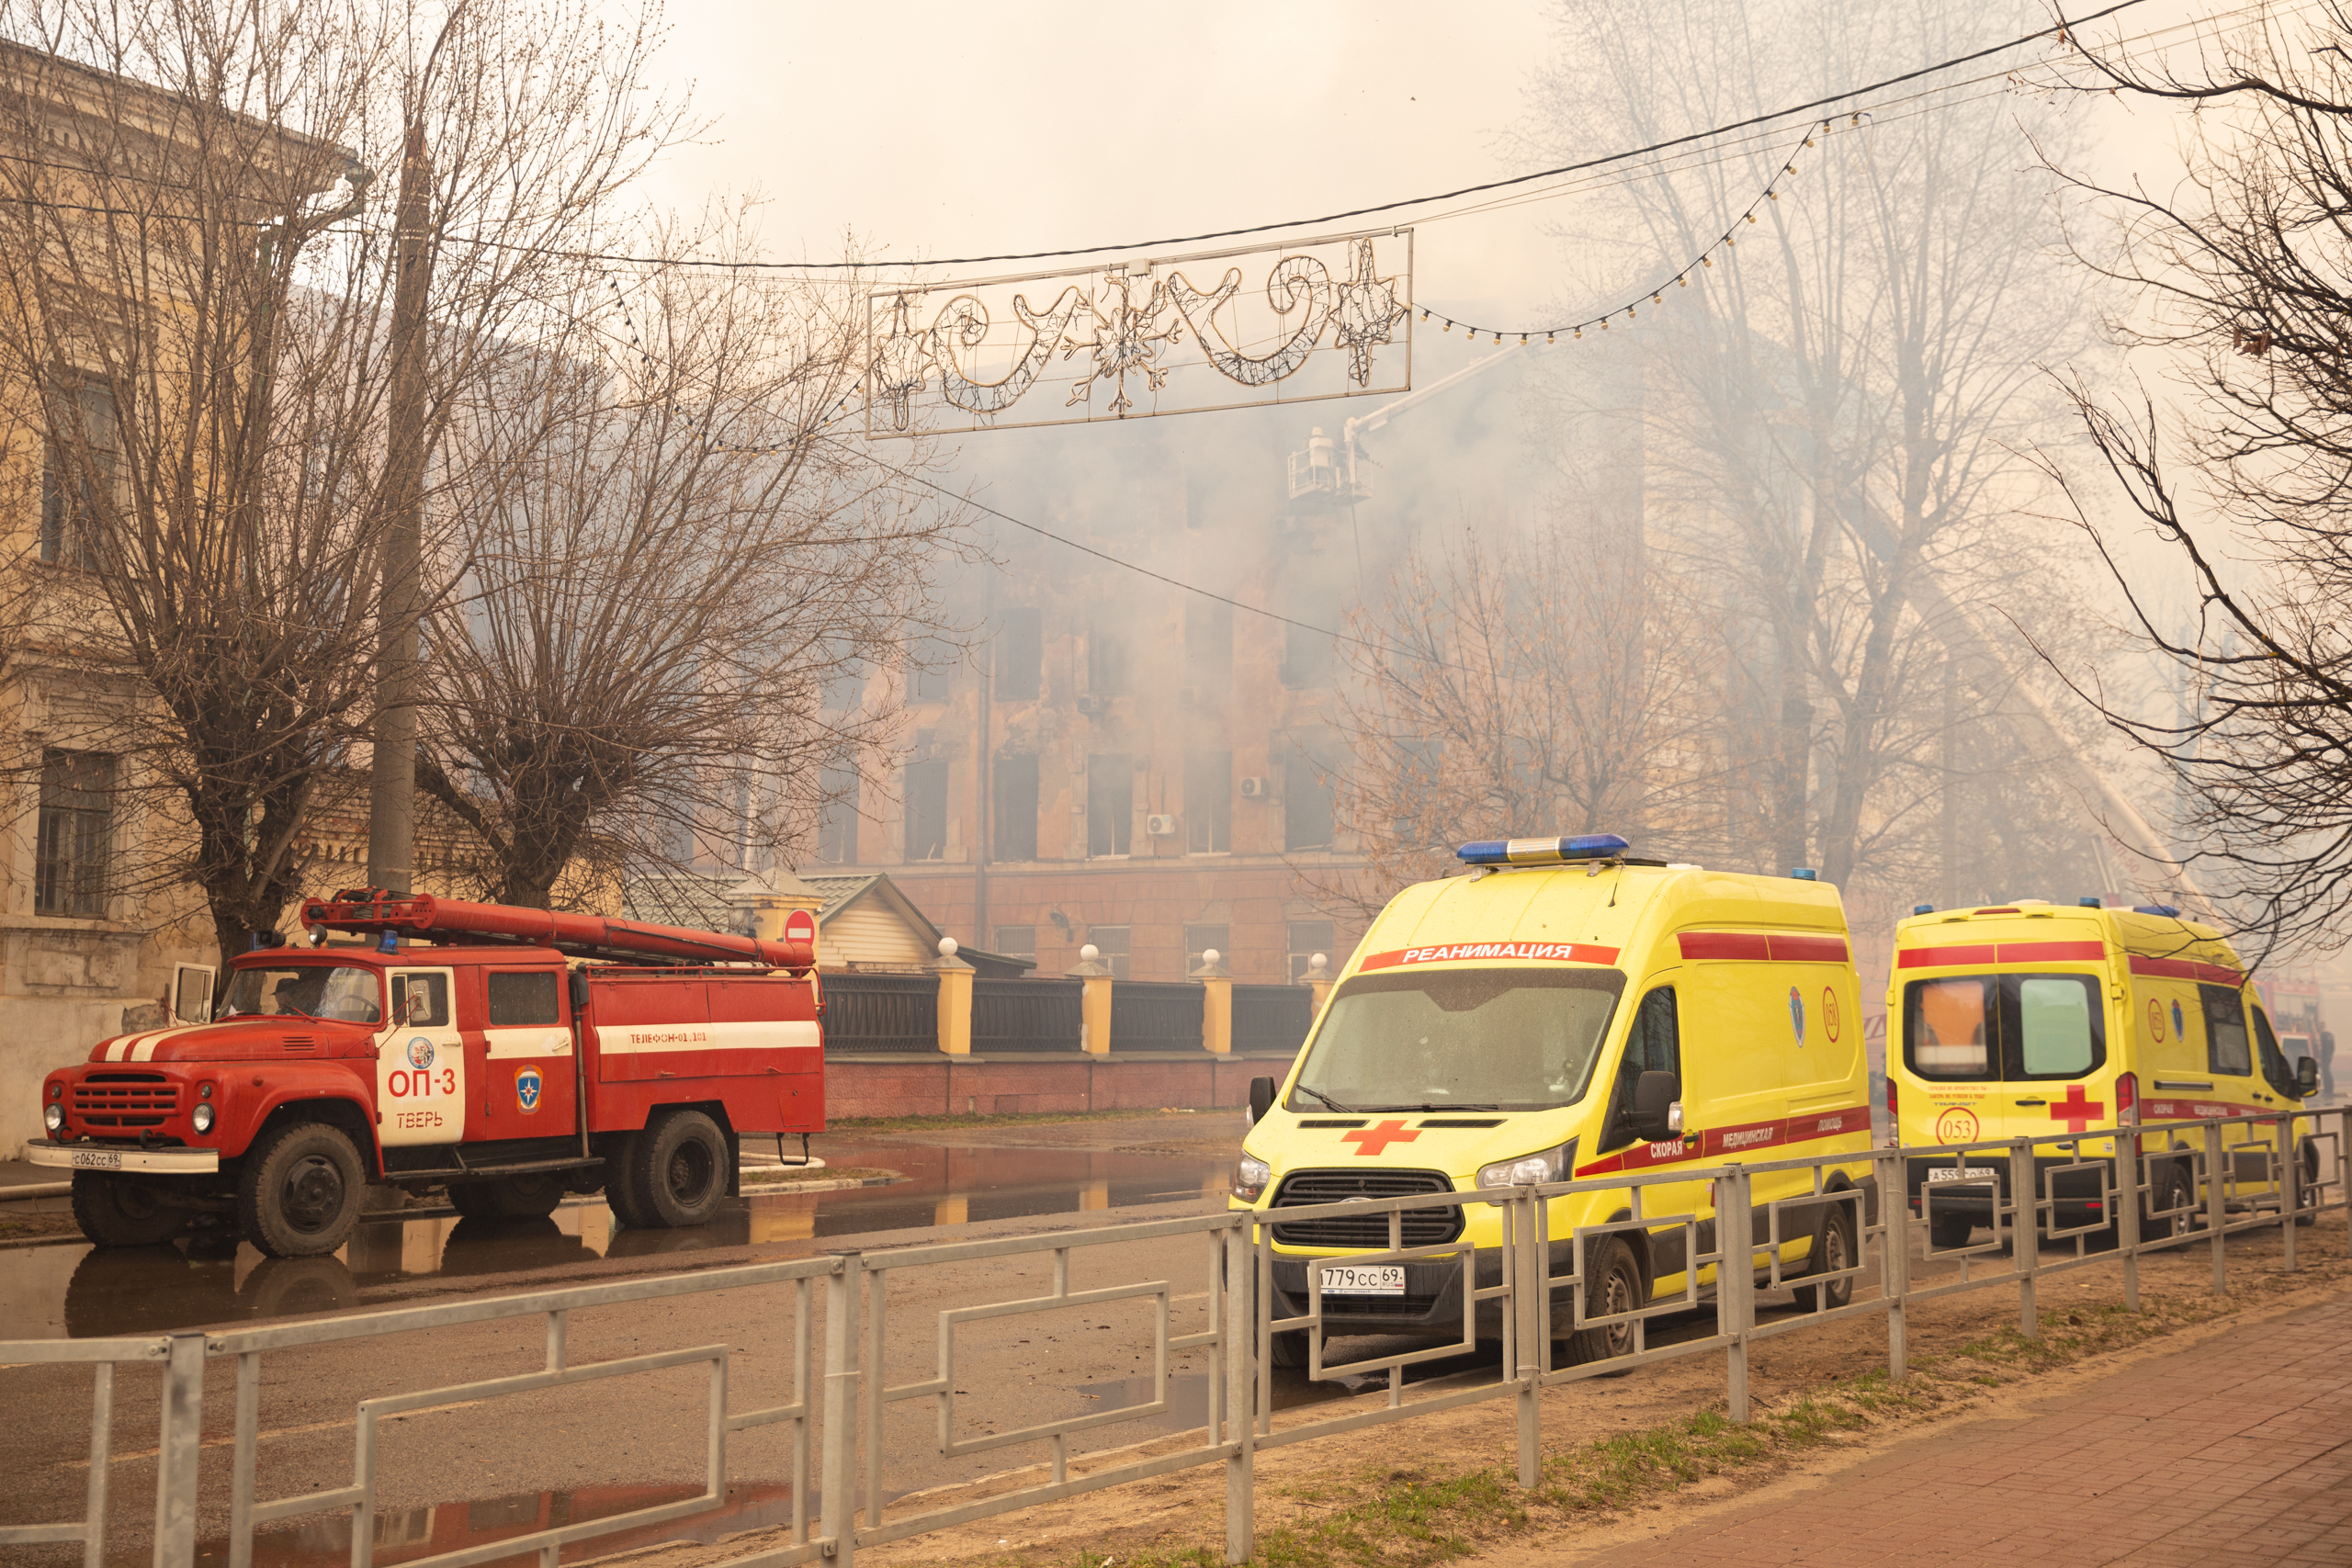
(1090, 705)
(1254, 789)
(1160, 825)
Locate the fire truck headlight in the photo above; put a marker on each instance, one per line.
(202, 1118)
(52, 1116)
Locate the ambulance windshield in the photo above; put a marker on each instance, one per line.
(1459, 1039)
(314, 990)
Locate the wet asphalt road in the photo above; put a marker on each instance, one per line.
(473, 1470)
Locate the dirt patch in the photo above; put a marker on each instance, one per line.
(1444, 1486)
(21, 1226)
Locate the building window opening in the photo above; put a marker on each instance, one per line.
(1109, 803)
(1015, 807)
(1199, 939)
(76, 465)
(1111, 942)
(927, 810)
(1308, 938)
(76, 825)
(1208, 802)
(1020, 654)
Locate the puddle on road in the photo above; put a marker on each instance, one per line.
(71, 1289)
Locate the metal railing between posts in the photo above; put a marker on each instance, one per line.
(841, 1394)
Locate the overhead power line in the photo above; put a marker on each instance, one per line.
(2060, 30)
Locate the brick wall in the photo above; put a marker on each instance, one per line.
(939, 1085)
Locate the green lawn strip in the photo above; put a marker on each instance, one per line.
(1386, 1516)
(1007, 1119)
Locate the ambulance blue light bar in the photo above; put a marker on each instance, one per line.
(1541, 852)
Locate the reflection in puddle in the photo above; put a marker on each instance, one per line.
(209, 1278)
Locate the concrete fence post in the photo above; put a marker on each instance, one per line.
(1094, 1005)
(1217, 1002)
(955, 1000)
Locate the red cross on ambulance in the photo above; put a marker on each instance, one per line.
(2076, 1112)
(1372, 1140)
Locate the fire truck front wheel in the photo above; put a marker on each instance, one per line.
(675, 1171)
(301, 1192)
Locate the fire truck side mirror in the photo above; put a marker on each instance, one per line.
(579, 991)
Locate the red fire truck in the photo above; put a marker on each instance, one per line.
(511, 1055)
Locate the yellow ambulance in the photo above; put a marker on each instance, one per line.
(2034, 1020)
(1565, 1009)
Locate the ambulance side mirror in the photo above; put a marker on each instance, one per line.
(1262, 1098)
(2306, 1077)
(1658, 1107)
(579, 981)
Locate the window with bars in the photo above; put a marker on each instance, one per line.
(1308, 938)
(1111, 942)
(76, 823)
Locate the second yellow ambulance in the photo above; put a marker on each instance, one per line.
(2034, 1020)
(1567, 1010)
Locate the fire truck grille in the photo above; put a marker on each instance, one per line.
(1422, 1227)
(125, 1099)
(301, 1043)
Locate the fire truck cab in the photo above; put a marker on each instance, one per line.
(509, 1055)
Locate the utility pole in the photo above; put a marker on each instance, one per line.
(391, 799)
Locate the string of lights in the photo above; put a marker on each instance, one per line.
(1680, 278)
(2059, 30)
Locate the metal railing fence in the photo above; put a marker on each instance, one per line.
(2189, 1184)
(876, 1013)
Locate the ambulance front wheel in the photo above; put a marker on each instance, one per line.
(1288, 1349)
(1947, 1230)
(1613, 1286)
(675, 1173)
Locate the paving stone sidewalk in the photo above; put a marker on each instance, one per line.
(2237, 1450)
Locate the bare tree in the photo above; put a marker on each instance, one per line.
(193, 294)
(2242, 465)
(1829, 409)
(630, 679)
(1512, 686)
